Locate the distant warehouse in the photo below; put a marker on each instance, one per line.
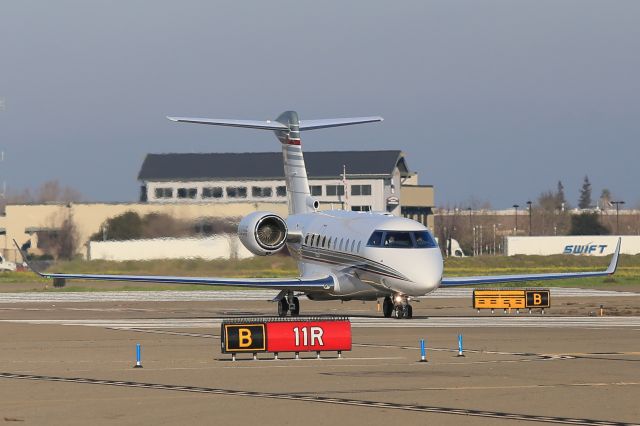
(375, 180)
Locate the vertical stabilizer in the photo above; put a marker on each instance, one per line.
(295, 172)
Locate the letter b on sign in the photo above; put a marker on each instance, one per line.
(537, 298)
(243, 338)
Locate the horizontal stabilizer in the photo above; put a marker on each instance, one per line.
(275, 125)
(336, 122)
(250, 124)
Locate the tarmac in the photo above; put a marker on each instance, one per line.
(71, 362)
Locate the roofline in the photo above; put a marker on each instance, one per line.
(282, 178)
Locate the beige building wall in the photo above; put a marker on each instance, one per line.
(21, 222)
(418, 202)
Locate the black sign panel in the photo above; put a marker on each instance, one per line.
(243, 338)
(538, 298)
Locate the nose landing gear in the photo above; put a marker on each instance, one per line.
(397, 308)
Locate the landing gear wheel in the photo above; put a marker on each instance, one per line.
(295, 307)
(283, 307)
(398, 312)
(387, 307)
(408, 311)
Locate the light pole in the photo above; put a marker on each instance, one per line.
(617, 204)
(529, 204)
(515, 206)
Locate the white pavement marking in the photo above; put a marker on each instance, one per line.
(433, 322)
(217, 295)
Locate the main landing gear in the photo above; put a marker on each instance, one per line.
(289, 303)
(398, 307)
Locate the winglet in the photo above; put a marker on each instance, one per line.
(614, 260)
(24, 259)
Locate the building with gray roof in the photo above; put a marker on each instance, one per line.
(375, 180)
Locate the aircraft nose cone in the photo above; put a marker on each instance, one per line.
(424, 269)
(431, 271)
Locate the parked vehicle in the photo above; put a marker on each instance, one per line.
(6, 266)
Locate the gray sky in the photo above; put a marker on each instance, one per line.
(492, 99)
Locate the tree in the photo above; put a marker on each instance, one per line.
(561, 202)
(67, 240)
(52, 191)
(587, 224)
(584, 202)
(127, 226)
(131, 226)
(548, 201)
(605, 198)
(60, 239)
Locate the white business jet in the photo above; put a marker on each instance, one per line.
(341, 255)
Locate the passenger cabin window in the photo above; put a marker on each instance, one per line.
(402, 239)
(281, 191)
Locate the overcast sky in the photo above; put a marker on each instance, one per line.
(496, 100)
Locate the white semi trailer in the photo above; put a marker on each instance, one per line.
(575, 245)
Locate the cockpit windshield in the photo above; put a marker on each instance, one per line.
(402, 239)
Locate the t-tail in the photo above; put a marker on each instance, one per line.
(287, 128)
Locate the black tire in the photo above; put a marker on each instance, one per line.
(283, 307)
(409, 312)
(398, 312)
(295, 307)
(387, 307)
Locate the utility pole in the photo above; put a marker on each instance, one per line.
(529, 204)
(617, 204)
(515, 206)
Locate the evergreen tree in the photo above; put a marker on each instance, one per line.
(584, 202)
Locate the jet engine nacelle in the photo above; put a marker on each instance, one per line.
(262, 233)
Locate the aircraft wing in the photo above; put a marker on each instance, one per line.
(495, 279)
(335, 122)
(250, 124)
(296, 284)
